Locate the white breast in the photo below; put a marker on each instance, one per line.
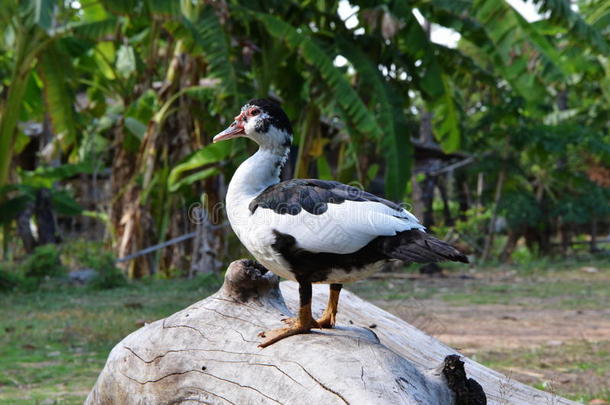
(256, 236)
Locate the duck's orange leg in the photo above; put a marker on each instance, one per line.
(302, 324)
(329, 317)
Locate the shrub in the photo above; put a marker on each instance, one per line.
(42, 263)
(108, 274)
(92, 255)
(9, 278)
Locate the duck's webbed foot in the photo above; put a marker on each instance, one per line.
(303, 324)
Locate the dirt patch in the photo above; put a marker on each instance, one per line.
(472, 328)
(551, 333)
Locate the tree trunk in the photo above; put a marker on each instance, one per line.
(511, 245)
(593, 244)
(427, 187)
(566, 238)
(43, 210)
(441, 183)
(207, 353)
(24, 231)
(489, 240)
(463, 194)
(204, 258)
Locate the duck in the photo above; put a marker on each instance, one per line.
(311, 230)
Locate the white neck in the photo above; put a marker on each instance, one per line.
(257, 173)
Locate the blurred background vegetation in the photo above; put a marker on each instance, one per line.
(491, 123)
(498, 139)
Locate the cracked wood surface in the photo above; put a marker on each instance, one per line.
(208, 354)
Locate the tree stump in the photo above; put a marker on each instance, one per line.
(208, 354)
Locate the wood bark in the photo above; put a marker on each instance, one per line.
(208, 354)
(205, 244)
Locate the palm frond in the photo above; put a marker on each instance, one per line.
(57, 95)
(95, 29)
(208, 155)
(210, 36)
(432, 81)
(43, 13)
(395, 143)
(351, 105)
(562, 14)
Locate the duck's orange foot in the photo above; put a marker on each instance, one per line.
(295, 328)
(327, 321)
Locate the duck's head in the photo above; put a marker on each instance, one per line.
(263, 121)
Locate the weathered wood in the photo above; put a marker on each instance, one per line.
(208, 353)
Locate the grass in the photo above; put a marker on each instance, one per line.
(54, 343)
(554, 285)
(576, 294)
(583, 367)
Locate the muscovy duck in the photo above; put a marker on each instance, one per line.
(314, 231)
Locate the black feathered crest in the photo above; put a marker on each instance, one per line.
(277, 116)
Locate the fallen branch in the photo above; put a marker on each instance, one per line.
(208, 353)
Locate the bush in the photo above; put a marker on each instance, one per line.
(10, 279)
(43, 263)
(92, 255)
(108, 274)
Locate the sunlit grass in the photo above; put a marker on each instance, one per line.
(555, 285)
(587, 365)
(53, 344)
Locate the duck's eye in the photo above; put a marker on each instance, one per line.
(254, 112)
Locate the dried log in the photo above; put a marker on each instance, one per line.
(208, 353)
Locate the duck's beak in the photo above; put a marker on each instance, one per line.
(234, 130)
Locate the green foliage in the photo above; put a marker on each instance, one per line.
(349, 102)
(580, 208)
(109, 275)
(92, 255)
(15, 198)
(470, 229)
(563, 14)
(57, 93)
(43, 263)
(10, 278)
(526, 258)
(520, 208)
(210, 36)
(161, 77)
(205, 157)
(395, 143)
(45, 176)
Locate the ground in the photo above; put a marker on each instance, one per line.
(546, 325)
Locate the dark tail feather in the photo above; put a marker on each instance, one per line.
(418, 247)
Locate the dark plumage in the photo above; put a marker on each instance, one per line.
(411, 246)
(289, 197)
(277, 116)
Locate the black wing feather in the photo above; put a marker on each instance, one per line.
(311, 195)
(416, 246)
